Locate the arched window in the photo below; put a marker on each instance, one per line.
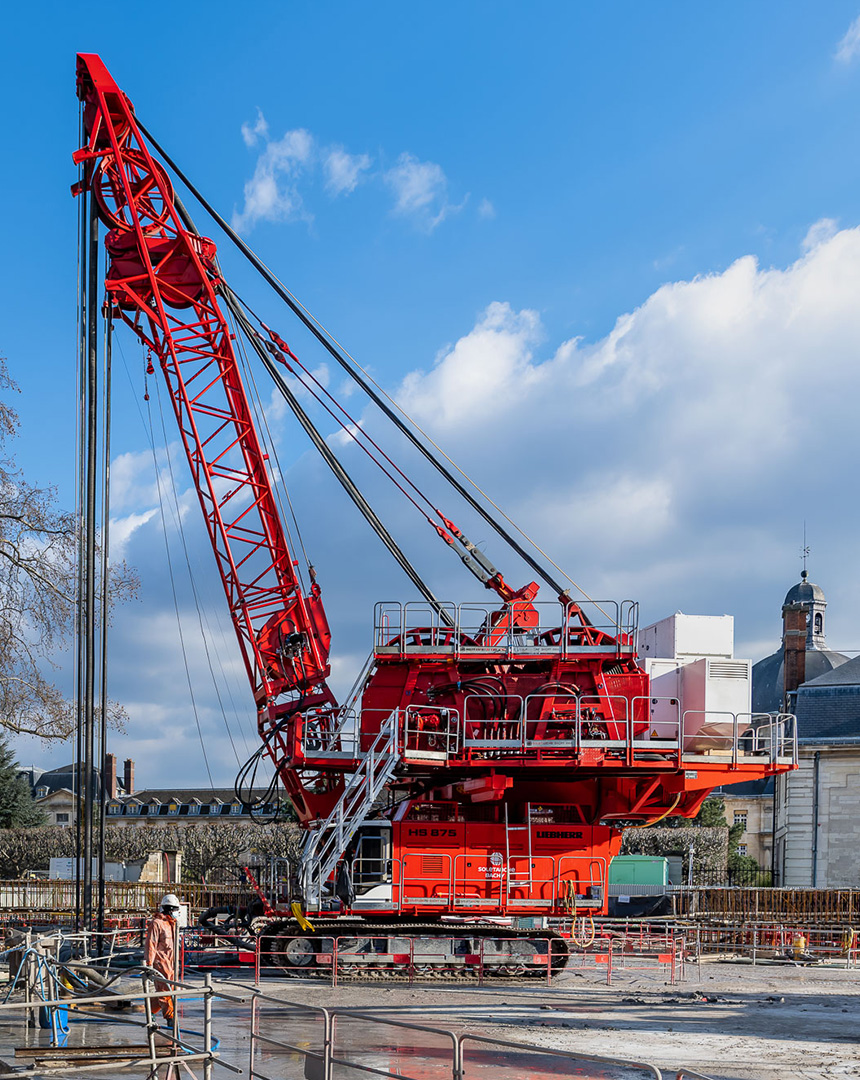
(819, 623)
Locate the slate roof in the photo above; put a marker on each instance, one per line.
(749, 789)
(767, 675)
(829, 707)
(804, 592)
(187, 795)
(847, 674)
(65, 777)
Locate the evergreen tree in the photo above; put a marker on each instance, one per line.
(712, 814)
(17, 807)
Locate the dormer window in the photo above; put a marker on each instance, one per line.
(42, 792)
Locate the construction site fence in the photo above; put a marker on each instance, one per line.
(839, 906)
(292, 1039)
(660, 953)
(127, 899)
(122, 898)
(761, 942)
(795, 941)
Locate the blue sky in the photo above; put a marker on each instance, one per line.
(607, 254)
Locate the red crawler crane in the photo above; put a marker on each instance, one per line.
(490, 754)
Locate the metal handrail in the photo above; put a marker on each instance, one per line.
(392, 623)
(460, 1043)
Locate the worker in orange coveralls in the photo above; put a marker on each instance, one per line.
(160, 950)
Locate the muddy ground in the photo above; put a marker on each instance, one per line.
(731, 1021)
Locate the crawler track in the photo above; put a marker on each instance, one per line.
(432, 952)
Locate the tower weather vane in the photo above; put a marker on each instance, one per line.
(804, 554)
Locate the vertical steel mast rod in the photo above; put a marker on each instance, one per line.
(90, 562)
(83, 248)
(103, 616)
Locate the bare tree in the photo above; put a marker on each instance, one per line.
(38, 560)
(25, 849)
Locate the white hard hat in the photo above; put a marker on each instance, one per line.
(171, 900)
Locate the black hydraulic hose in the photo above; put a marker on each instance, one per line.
(325, 451)
(260, 266)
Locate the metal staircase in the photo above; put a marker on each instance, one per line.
(326, 843)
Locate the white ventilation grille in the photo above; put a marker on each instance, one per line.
(727, 669)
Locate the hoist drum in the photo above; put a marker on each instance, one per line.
(151, 191)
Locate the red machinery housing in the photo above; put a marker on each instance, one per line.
(491, 753)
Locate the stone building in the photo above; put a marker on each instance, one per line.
(189, 806)
(769, 674)
(751, 804)
(816, 840)
(57, 791)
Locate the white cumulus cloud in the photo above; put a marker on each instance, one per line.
(848, 48)
(251, 133)
(272, 193)
(819, 231)
(287, 168)
(686, 446)
(343, 170)
(420, 191)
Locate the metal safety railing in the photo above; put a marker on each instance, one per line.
(542, 881)
(326, 1042)
(553, 725)
(471, 629)
(326, 843)
(54, 971)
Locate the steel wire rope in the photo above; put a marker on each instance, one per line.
(325, 452)
(176, 602)
(333, 347)
(268, 444)
(340, 473)
(187, 220)
(177, 516)
(243, 787)
(473, 560)
(352, 427)
(192, 581)
(212, 632)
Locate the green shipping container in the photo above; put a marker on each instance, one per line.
(639, 870)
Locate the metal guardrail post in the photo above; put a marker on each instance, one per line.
(252, 1038)
(207, 1025)
(150, 1023)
